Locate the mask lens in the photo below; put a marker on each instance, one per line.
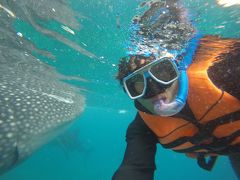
(164, 71)
(135, 85)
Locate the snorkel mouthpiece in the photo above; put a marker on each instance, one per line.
(169, 109)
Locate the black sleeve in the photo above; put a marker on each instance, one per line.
(225, 72)
(235, 161)
(139, 158)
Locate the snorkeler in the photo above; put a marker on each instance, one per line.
(186, 89)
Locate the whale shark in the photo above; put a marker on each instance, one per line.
(36, 102)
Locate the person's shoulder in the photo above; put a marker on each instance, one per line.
(223, 55)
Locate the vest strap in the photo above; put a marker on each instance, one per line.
(205, 134)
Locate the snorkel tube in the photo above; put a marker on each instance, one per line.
(169, 109)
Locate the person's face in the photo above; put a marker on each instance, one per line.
(155, 91)
(167, 96)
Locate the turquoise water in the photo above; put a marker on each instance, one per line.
(93, 147)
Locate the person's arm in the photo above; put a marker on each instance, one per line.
(225, 69)
(225, 72)
(235, 162)
(139, 158)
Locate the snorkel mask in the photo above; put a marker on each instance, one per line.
(163, 71)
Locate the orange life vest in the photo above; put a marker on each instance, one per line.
(217, 114)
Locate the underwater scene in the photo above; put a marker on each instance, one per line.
(63, 113)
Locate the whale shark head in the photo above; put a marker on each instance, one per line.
(35, 106)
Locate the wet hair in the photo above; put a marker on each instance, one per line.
(129, 64)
